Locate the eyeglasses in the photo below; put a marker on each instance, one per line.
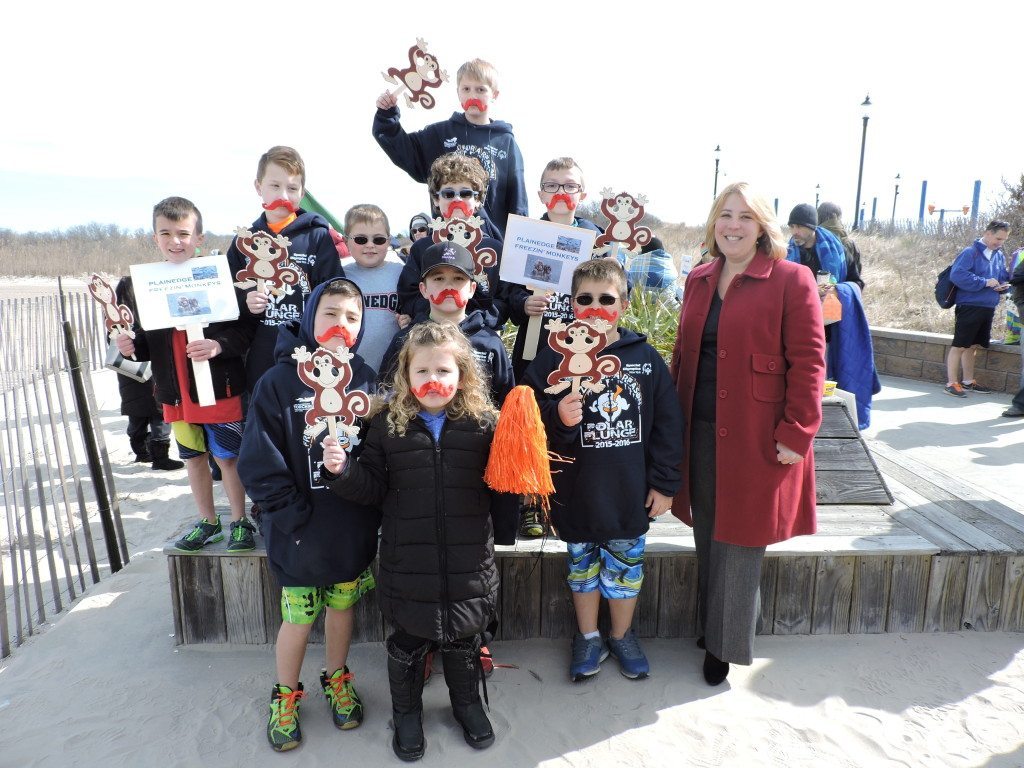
(418, 230)
(450, 194)
(605, 299)
(570, 189)
(363, 239)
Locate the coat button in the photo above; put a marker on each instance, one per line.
(723, 393)
(723, 432)
(771, 366)
(722, 354)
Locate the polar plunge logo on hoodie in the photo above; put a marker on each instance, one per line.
(486, 155)
(611, 419)
(284, 308)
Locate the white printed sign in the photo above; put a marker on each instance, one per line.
(542, 254)
(196, 292)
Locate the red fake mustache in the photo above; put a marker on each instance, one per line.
(451, 293)
(281, 202)
(434, 387)
(604, 314)
(563, 198)
(474, 103)
(459, 205)
(337, 330)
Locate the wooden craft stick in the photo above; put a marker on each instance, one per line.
(261, 285)
(577, 382)
(533, 326)
(332, 427)
(201, 368)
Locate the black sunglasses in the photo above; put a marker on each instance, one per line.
(466, 194)
(417, 230)
(363, 239)
(605, 299)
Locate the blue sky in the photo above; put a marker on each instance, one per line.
(121, 104)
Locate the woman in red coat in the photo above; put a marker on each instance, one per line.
(749, 367)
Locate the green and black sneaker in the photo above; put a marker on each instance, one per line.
(204, 533)
(346, 707)
(283, 730)
(242, 536)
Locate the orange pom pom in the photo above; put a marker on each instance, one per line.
(519, 453)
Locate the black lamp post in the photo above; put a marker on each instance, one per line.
(894, 196)
(860, 172)
(817, 195)
(718, 151)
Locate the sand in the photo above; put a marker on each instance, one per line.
(106, 686)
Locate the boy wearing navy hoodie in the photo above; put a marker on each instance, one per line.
(319, 547)
(625, 439)
(280, 183)
(471, 133)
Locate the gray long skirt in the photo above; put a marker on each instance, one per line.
(728, 575)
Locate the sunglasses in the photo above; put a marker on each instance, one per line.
(418, 230)
(450, 194)
(363, 239)
(605, 299)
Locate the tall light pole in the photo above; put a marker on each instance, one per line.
(718, 151)
(860, 172)
(817, 195)
(894, 196)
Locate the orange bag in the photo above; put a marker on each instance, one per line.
(831, 308)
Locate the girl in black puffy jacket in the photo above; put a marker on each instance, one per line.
(423, 463)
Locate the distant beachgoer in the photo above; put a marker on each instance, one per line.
(830, 216)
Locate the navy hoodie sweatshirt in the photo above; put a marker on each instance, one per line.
(312, 251)
(630, 440)
(313, 538)
(492, 144)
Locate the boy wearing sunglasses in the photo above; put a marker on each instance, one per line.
(471, 133)
(458, 190)
(625, 441)
(375, 269)
(280, 184)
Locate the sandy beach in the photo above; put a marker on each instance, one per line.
(104, 685)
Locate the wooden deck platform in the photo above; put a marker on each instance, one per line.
(939, 557)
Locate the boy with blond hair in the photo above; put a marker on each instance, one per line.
(280, 184)
(472, 133)
(198, 429)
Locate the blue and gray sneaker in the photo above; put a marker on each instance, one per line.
(632, 662)
(204, 533)
(587, 656)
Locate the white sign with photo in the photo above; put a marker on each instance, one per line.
(542, 255)
(196, 292)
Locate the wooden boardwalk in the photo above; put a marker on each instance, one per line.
(940, 557)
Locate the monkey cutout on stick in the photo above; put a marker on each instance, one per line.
(624, 212)
(117, 318)
(468, 233)
(582, 364)
(266, 262)
(327, 373)
(423, 72)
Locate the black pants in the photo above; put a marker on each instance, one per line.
(158, 430)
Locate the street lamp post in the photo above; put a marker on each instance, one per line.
(894, 196)
(817, 195)
(860, 172)
(718, 151)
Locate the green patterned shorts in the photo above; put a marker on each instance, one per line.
(301, 605)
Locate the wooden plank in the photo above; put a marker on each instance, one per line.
(1012, 613)
(202, 601)
(850, 487)
(243, 600)
(677, 596)
(172, 578)
(833, 588)
(869, 604)
(557, 617)
(368, 626)
(645, 619)
(769, 590)
(984, 592)
(836, 422)
(794, 599)
(271, 600)
(947, 581)
(947, 543)
(521, 598)
(844, 454)
(888, 544)
(909, 593)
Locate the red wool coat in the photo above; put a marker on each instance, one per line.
(771, 367)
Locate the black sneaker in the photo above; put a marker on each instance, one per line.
(204, 533)
(955, 390)
(975, 387)
(283, 730)
(242, 536)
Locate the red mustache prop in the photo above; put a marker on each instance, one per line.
(435, 387)
(564, 198)
(281, 202)
(337, 330)
(474, 103)
(604, 314)
(449, 293)
(458, 205)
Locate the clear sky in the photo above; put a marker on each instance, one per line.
(110, 106)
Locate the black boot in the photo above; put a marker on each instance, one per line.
(463, 674)
(140, 445)
(405, 674)
(159, 450)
